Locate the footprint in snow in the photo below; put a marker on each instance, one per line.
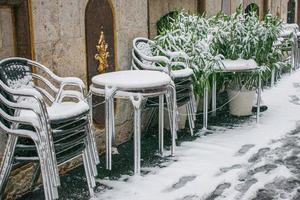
(218, 191)
(182, 182)
(244, 149)
(294, 99)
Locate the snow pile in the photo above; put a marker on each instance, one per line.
(211, 165)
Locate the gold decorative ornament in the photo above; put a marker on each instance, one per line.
(102, 54)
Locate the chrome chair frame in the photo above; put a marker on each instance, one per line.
(43, 132)
(170, 59)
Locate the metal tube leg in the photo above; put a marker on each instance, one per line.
(161, 125)
(205, 108)
(174, 109)
(88, 173)
(190, 117)
(107, 136)
(214, 96)
(91, 133)
(6, 163)
(258, 98)
(193, 116)
(109, 94)
(169, 107)
(136, 102)
(112, 111)
(50, 191)
(273, 77)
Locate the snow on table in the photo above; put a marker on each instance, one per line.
(134, 79)
(228, 65)
(220, 163)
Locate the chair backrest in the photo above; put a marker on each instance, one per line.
(142, 48)
(15, 73)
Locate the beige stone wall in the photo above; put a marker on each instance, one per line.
(59, 42)
(7, 46)
(257, 2)
(279, 8)
(158, 8)
(213, 7)
(7, 49)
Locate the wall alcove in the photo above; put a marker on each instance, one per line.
(100, 47)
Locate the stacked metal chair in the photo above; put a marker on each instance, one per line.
(143, 58)
(291, 29)
(47, 120)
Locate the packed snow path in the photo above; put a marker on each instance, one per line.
(239, 161)
(253, 161)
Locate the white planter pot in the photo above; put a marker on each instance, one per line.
(241, 102)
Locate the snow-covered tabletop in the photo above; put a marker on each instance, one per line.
(238, 65)
(133, 79)
(181, 73)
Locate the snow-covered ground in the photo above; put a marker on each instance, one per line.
(252, 161)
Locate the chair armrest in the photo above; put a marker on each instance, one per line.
(27, 92)
(182, 64)
(157, 59)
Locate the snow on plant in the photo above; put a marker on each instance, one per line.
(222, 36)
(190, 34)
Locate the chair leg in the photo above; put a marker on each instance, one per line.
(172, 91)
(161, 125)
(52, 161)
(92, 149)
(6, 164)
(36, 175)
(90, 178)
(92, 139)
(49, 189)
(190, 117)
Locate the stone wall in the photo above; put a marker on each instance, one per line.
(159, 8)
(7, 47)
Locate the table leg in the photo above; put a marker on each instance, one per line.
(214, 95)
(161, 125)
(109, 129)
(136, 102)
(273, 77)
(205, 108)
(258, 98)
(107, 136)
(174, 120)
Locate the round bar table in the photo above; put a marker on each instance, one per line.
(231, 66)
(135, 86)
